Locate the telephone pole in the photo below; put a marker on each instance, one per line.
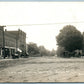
(3, 36)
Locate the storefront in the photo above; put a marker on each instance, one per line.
(9, 51)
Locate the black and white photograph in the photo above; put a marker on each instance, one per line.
(41, 42)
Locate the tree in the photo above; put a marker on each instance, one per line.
(33, 48)
(70, 38)
(53, 52)
(60, 51)
(43, 51)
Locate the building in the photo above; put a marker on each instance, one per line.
(1, 39)
(12, 41)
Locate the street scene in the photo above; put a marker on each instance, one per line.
(41, 42)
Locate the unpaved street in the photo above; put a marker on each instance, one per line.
(42, 69)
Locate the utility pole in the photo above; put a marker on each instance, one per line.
(3, 42)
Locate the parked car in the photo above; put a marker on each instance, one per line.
(15, 55)
(25, 55)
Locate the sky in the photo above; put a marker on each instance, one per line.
(42, 21)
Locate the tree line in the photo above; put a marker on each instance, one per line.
(35, 50)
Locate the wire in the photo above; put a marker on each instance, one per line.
(45, 24)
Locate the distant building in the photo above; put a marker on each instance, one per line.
(12, 41)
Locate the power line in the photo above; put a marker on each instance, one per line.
(45, 24)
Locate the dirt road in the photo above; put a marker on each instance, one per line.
(42, 69)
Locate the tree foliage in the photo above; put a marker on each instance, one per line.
(60, 51)
(33, 48)
(70, 38)
(53, 52)
(43, 51)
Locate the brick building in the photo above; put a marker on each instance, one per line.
(12, 41)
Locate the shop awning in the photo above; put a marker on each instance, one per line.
(19, 50)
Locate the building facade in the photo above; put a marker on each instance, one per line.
(1, 40)
(11, 42)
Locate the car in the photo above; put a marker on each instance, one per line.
(25, 55)
(15, 55)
